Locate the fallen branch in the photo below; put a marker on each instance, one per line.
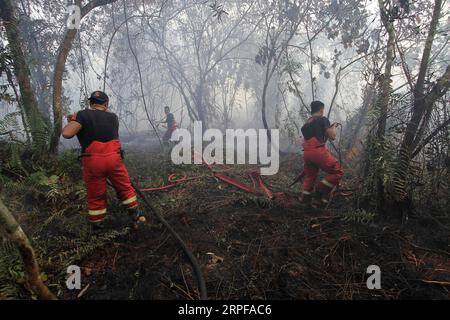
(444, 283)
(16, 234)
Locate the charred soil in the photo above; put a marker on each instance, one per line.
(249, 247)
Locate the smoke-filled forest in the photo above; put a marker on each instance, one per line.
(134, 136)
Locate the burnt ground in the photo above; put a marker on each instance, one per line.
(253, 248)
(249, 247)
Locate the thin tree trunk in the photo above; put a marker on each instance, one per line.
(383, 99)
(63, 52)
(16, 234)
(311, 65)
(201, 108)
(422, 107)
(385, 81)
(263, 109)
(140, 77)
(419, 94)
(368, 101)
(22, 112)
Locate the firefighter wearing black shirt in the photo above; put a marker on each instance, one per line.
(316, 131)
(170, 123)
(97, 130)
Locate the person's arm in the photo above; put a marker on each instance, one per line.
(72, 128)
(158, 122)
(331, 132)
(330, 129)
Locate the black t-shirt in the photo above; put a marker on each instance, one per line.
(170, 120)
(316, 127)
(97, 125)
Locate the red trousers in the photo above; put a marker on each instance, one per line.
(317, 157)
(102, 161)
(168, 133)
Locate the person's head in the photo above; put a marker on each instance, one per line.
(99, 97)
(166, 110)
(317, 108)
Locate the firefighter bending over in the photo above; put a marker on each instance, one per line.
(97, 130)
(316, 131)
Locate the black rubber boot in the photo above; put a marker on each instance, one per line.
(136, 217)
(98, 227)
(319, 200)
(305, 200)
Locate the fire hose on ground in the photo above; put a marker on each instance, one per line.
(195, 265)
(256, 178)
(257, 182)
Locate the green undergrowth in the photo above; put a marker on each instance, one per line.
(49, 204)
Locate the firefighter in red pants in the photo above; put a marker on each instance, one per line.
(316, 131)
(171, 125)
(97, 130)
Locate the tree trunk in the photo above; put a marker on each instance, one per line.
(263, 110)
(10, 78)
(385, 81)
(383, 99)
(16, 234)
(63, 52)
(61, 59)
(423, 104)
(200, 106)
(141, 85)
(38, 129)
(359, 122)
(38, 75)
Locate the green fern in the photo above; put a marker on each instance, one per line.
(10, 122)
(11, 271)
(359, 216)
(63, 251)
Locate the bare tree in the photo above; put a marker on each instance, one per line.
(63, 52)
(277, 38)
(207, 43)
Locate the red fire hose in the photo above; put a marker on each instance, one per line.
(255, 176)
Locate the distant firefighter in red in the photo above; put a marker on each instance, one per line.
(171, 125)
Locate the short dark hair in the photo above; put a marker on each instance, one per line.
(316, 106)
(166, 107)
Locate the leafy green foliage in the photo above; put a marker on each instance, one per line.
(11, 272)
(10, 123)
(358, 216)
(380, 161)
